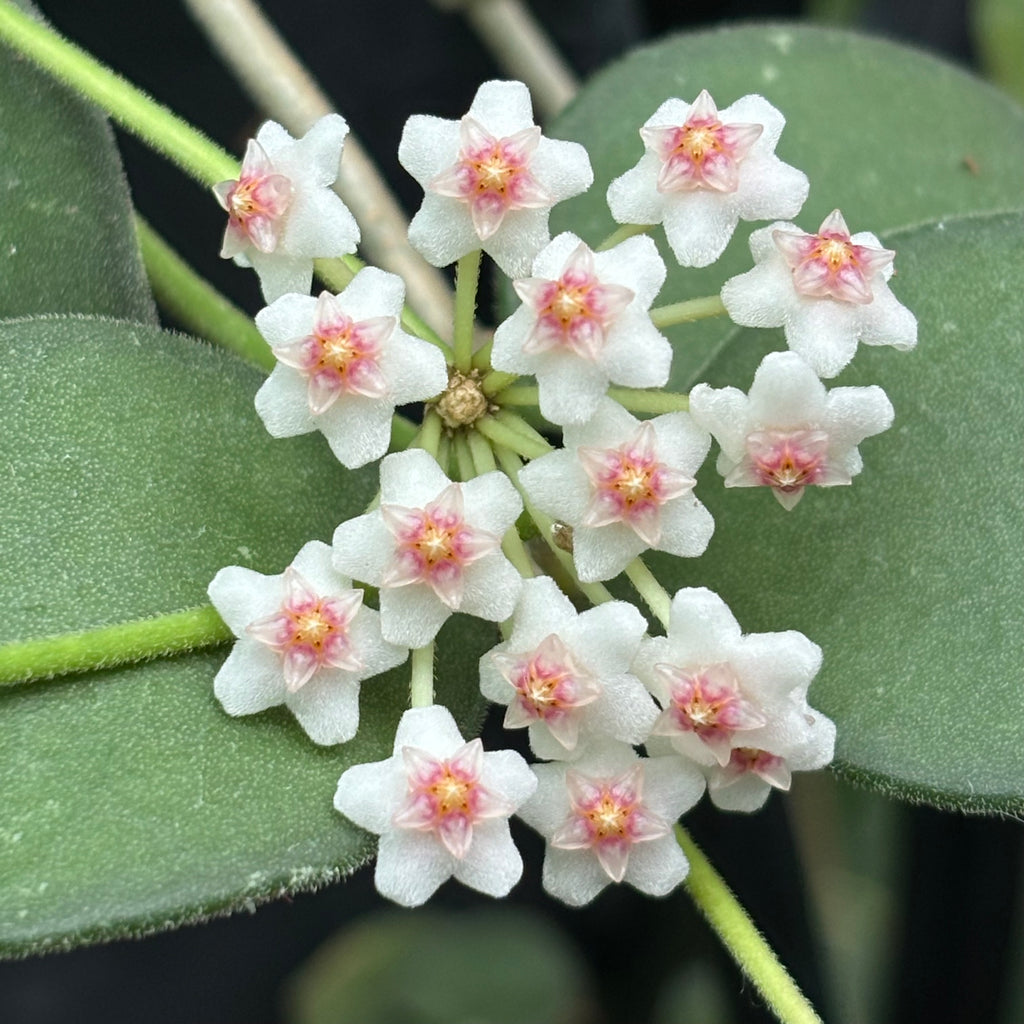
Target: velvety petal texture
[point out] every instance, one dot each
(675, 183)
(282, 211)
(584, 323)
(432, 547)
(565, 674)
(398, 800)
(488, 181)
(789, 433)
(309, 618)
(640, 798)
(344, 364)
(822, 328)
(624, 487)
(735, 704)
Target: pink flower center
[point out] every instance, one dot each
(549, 688)
(703, 153)
(493, 176)
(444, 796)
(575, 311)
(433, 545)
(788, 462)
(608, 816)
(769, 767)
(341, 356)
(256, 204)
(829, 265)
(629, 484)
(706, 702)
(310, 631)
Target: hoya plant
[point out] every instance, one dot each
(724, 489)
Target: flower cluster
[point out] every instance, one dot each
(629, 727)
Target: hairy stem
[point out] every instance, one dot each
(421, 685)
(467, 276)
(196, 304)
(109, 646)
(741, 938)
(653, 402)
(688, 311)
(654, 594)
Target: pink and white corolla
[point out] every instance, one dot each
(441, 807)
(432, 547)
(565, 674)
(282, 211)
(344, 363)
(584, 322)
(827, 291)
(734, 703)
(624, 486)
(608, 817)
(489, 180)
(789, 433)
(305, 640)
(704, 171)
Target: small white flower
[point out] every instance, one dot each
(624, 486)
(735, 704)
(565, 674)
(305, 640)
(584, 323)
(704, 171)
(608, 817)
(282, 212)
(441, 808)
(489, 180)
(432, 547)
(344, 363)
(827, 291)
(789, 433)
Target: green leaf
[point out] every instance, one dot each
(891, 136)
(135, 467)
(430, 967)
(911, 578)
(998, 30)
(67, 234)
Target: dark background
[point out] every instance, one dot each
(379, 62)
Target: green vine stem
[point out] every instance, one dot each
(195, 304)
(421, 685)
(507, 436)
(429, 437)
(109, 646)
(467, 276)
(744, 942)
(621, 233)
(687, 312)
(156, 125)
(131, 108)
(595, 593)
(518, 425)
(653, 593)
(463, 457)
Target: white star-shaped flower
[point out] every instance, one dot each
(489, 180)
(735, 704)
(704, 171)
(282, 212)
(305, 640)
(584, 322)
(827, 291)
(565, 674)
(344, 363)
(441, 808)
(608, 817)
(789, 433)
(432, 547)
(624, 486)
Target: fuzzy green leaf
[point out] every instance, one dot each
(135, 467)
(67, 234)
(911, 579)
